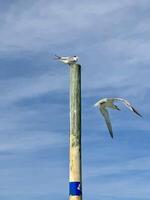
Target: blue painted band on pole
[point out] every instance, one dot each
(75, 188)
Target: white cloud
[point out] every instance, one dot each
(119, 168)
(19, 88)
(31, 141)
(124, 179)
(36, 26)
(115, 60)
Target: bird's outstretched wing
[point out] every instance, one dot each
(128, 105)
(107, 120)
(65, 58)
(61, 57)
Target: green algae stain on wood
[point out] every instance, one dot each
(75, 104)
(75, 126)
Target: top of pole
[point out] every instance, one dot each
(75, 65)
(75, 175)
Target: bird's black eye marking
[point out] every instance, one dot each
(102, 103)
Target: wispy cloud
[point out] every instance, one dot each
(36, 26)
(31, 141)
(112, 41)
(20, 88)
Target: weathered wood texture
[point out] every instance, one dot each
(75, 128)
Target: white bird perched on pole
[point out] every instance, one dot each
(67, 59)
(109, 103)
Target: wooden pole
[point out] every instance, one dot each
(75, 175)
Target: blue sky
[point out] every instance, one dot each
(111, 38)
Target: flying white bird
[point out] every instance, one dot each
(67, 60)
(109, 103)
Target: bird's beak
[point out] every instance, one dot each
(56, 57)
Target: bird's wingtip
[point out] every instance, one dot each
(140, 115)
(134, 110)
(111, 134)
